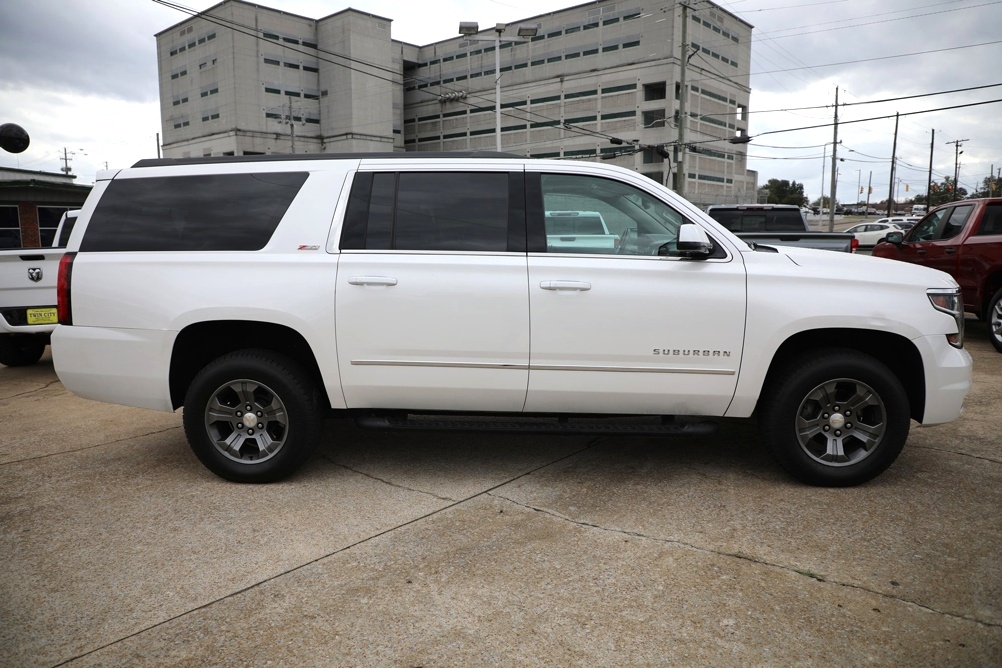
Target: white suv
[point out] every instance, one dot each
(423, 290)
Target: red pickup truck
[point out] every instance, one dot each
(963, 239)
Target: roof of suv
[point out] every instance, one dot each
(409, 155)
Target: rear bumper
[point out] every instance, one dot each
(119, 366)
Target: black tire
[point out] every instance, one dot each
(993, 316)
(835, 418)
(21, 349)
(267, 443)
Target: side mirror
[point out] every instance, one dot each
(895, 238)
(693, 244)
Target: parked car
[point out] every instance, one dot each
(28, 297)
(419, 291)
(964, 239)
(871, 234)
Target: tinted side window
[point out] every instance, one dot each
(64, 234)
(443, 211)
(221, 212)
(956, 221)
(762, 220)
(992, 221)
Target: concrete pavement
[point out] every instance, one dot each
(119, 548)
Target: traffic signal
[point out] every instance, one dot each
(861, 190)
(907, 187)
(870, 192)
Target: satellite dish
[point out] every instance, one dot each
(13, 138)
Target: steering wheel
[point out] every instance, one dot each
(624, 237)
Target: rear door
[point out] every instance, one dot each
(431, 304)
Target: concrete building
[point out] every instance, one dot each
(244, 79)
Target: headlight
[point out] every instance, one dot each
(948, 301)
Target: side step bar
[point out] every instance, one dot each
(614, 426)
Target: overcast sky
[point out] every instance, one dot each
(81, 76)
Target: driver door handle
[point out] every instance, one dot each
(579, 286)
(372, 280)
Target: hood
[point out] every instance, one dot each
(866, 267)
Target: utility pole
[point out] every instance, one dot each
(292, 127)
(928, 184)
(894, 161)
(869, 189)
(956, 165)
(834, 186)
(680, 173)
(65, 169)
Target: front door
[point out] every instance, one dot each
(617, 327)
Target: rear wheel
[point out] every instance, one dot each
(252, 416)
(994, 320)
(835, 418)
(21, 349)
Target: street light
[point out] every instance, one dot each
(469, 30)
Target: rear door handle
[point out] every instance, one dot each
(920, 251)
(949, 250)
(579, 286)
(372, 280)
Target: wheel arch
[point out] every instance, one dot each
(895, 351)
(198, 344)
(991, 285)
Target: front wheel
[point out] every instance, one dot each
(994, 320)
(252, 416)
(835, 418)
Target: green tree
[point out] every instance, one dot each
(786, 192)
(942, 192)
(989, 187)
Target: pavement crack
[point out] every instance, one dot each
(87, 447)
(745, 557)
(958, 453)
(26, 393)
(391, 483)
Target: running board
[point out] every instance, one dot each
(615, 426)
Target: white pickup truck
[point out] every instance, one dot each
(28, 297)
(421, 291)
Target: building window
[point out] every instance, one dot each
(10, 227)
(276, 91)
(655, 91)
(271, 61)
(618, 89)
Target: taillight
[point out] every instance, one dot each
(63, 303)
(855, 245)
